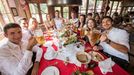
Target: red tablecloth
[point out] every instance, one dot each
(68, 69)
(65, 69)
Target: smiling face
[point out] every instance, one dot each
(48, 17)
(57, 14)
(73, 15)
(33, 24)
(106, 23)
(14, 35)
(24, 24)
(91, 24)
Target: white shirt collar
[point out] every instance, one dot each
(12, 45)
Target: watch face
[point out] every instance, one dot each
(108, 41)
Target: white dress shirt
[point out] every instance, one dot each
(75, 21)
(25, 34)
(118, 36)
(15, 59)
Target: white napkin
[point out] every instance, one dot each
(50, 53)
(106, 65)
(48, 43)
(69, 52)
(61, 54)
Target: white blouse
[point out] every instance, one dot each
(58, 23)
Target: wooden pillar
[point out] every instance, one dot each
(95, 6)
(25, 7)
(122, 8)
(61, 11)
(51, 10)
(27, 12)
(87, 7)
(39, 11)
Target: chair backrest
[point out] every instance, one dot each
(131, 52)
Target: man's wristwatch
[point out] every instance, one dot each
(108, 41)
(36, 62)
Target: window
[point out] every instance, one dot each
(98, 6)
(1, 28)
(119, 7)
(66, 12)
(82, 8)
(91, 6)
(5, 12)
(114, 7)
(129, 9)
(110, 5)
(44, 10)
(132, 9)
(34, 11)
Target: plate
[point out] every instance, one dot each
(83, 57)
(96, 56)
(52, 70)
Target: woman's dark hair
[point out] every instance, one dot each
(57, 11)
(89, 14)
(84, 19)
(95, 25)
(96, 14)
(10, 25)
(108, 18)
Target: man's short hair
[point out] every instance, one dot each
(10, 25)
(89, 14)
(57, 11)
(108, 18)
(19, 21)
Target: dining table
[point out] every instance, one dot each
(67, 68)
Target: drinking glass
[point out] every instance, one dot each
(39, 36)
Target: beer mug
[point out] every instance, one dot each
(81, 32)
(39, 36)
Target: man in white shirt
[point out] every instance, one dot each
(15, 55)
(115, 42)
(25, 31)
(74, 20)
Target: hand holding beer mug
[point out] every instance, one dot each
(95, 37)
(39, 36)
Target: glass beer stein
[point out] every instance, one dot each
(38, 34)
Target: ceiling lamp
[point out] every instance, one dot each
(64, 2)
